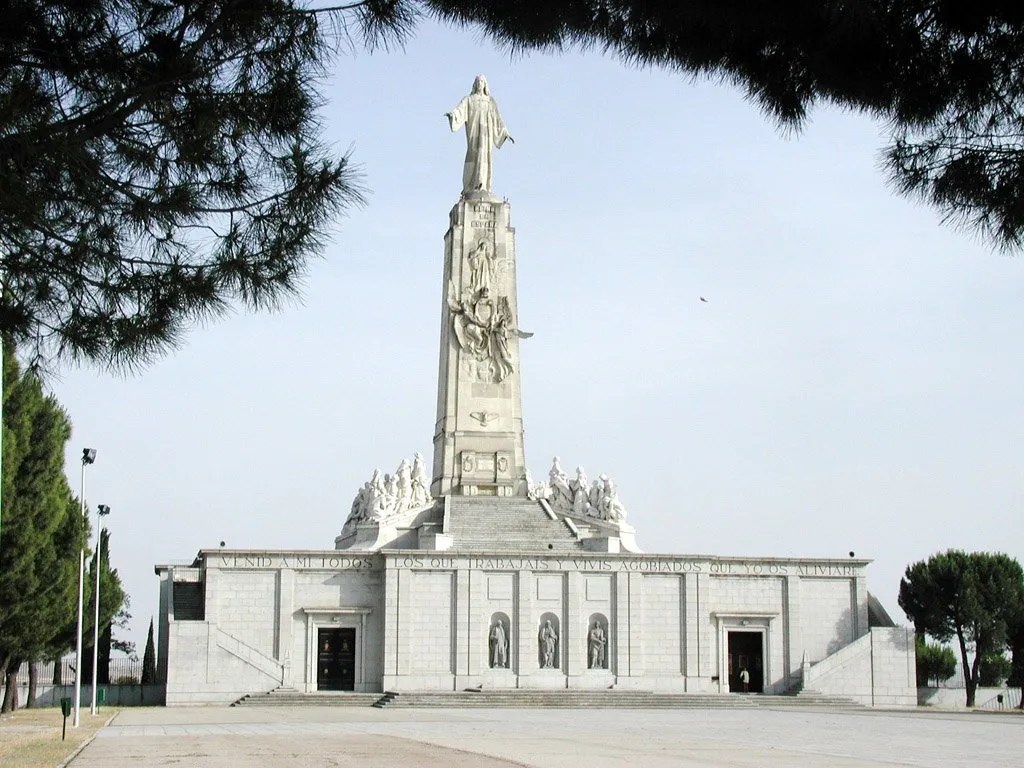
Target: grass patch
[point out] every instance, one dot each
(30, 738)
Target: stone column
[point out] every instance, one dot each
(283, 630)
(464, 634)
(860, 604)
(391, 625)
(793, 642)
(574, 645)
(525, 625)
(478, 437)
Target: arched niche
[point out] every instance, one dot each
(598, 642)
(549, 640)
(499, 641)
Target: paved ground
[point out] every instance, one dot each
(297, 737)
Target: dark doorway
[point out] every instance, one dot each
(746, 651)
(336, 659)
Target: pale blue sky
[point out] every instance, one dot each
(852, 384)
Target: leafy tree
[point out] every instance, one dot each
(974, 597)
(935, 663)
(43, 531)
(993, 670)
(149, 659)
(160, 162)
(944, 74)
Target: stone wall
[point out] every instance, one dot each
(876, 670)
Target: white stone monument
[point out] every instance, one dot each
(477, 578)
(478, 437)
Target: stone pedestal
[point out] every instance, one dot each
(478, 437)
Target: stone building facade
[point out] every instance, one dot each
(410, 620)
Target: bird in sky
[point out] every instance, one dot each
(703, 299)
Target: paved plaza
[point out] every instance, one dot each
(290, 737)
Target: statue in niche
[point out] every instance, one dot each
(484, 129)
(481, 326)
(420, 484)
(596, 644)
(548, 643)
(481, 267)
(499, 646)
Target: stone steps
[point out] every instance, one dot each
(291, 697)
(810, 698)
(540, 699)
(564, 699)
(488, 524)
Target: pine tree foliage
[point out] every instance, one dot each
(974, 597)
(43, 531)
(945, 74)
(149, 659)
(160, 163)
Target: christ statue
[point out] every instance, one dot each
(484, 129)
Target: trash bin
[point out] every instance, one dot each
(65, 706)
(101, 695)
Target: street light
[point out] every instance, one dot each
(101, 511)
(88, 457)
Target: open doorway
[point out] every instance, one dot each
(746, 652)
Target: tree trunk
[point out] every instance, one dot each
(103, 668)
(33, 678)
(970, 678)
(58, 671)
(11, 687)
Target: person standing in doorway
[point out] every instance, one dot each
(745, 680)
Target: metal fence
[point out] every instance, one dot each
(123, 671)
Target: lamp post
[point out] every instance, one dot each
(101, 511)
(88, 457)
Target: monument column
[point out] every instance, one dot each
(478, 436)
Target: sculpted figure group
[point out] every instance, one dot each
(574, 497)
(385, 495)
(482, 323)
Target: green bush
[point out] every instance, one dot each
(935, 663)
(993, 670)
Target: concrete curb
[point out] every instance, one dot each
(85, 743)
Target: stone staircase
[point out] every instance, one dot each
(489, 524)
(540, 699)
(292, 697)
(563, 699)
(801, 697)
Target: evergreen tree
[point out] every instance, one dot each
(973, 597)
(935, 663)
(160, 162)
(149, 659)
(42, 532)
